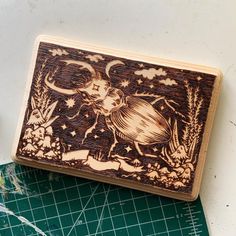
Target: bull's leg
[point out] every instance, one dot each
(166, 157)
(112, 128)
(158, 98)
(90, 130)
(140, 151)
(77, 113)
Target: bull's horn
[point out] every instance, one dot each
(52, 86)
(84, 65)
(112, 63)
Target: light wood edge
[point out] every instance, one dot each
(136, 57)
(206, 135)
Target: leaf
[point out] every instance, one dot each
(175, 136)
(48, 123)
(33, 104)
(191, 149)
(48, 112)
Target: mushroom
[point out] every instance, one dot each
(164, 171)
(49, 130)
(157, 165)
(186, 175)
(39, 133)
(149, 166)
(29, 148)
(50, 154)
(172, 175)
(28, 133)
(178, 184)
(163, 179)
(47, 142)
(188, 165)
(153, 175)
(179, 170)
(168, 183)
(39, 153)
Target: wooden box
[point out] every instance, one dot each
(116, 117)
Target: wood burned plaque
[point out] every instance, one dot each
(117, 117)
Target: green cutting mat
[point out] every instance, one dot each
(37, 202)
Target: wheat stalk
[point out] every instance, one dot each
(193, 127)
(41, 96)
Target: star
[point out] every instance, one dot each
(199, 78)
(64, 126)
(70, 102)
(154, 149)
(86, 115)
(162, 107)
(102, 130)
(95, 136)
(95, 87)
(124, 83)
(128, 149)
(151, 85)
(139, 81)
(73, 133)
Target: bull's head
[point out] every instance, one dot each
(95, 88)
(83, 65)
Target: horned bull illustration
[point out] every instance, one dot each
(129, 117)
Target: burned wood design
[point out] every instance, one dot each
(117, 117)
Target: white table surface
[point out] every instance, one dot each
(200, 31)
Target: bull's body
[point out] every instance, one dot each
(137, 121)
(129, 117)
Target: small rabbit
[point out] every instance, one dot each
(42, 124)
(36, 116)
(178, 154)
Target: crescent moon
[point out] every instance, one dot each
(112, 63)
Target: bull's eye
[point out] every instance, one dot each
(84, 95)
(99, 103)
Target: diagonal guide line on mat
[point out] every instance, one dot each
(82, 211)
(103, 207)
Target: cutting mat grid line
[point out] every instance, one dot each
(70, 213)
(61, 205)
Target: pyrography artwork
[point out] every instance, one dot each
(116, 117)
